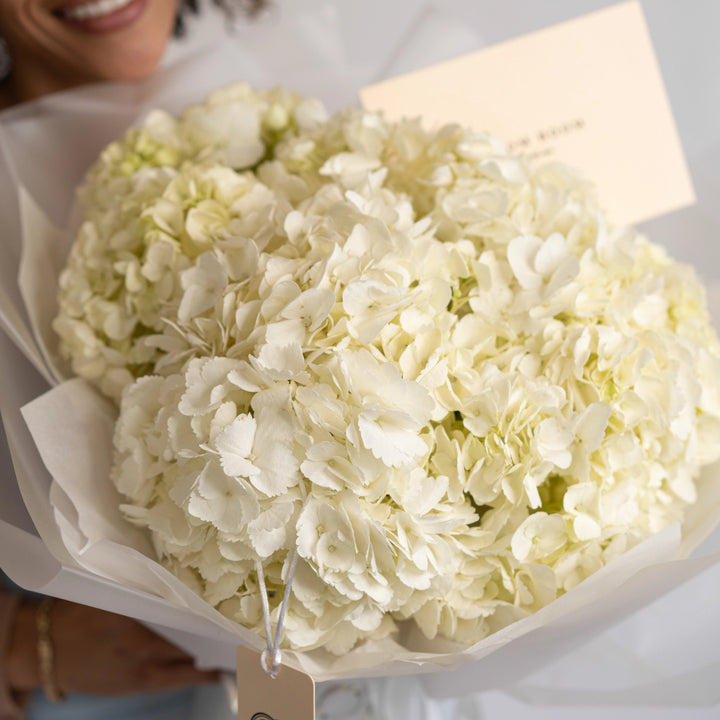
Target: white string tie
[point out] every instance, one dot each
(271, 657)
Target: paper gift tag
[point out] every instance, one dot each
(587, 92)
(289, 696)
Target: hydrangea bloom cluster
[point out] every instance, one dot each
(435, 372)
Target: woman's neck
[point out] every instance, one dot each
(20, 87)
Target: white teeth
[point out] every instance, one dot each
(94, 9)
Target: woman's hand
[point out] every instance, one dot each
(98, 653)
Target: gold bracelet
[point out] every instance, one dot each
(46, 652)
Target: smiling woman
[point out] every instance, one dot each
(57, 44)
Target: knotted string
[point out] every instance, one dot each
(272, 652)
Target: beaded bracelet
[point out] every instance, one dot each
(46, 652)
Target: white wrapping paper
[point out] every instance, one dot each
(89, 554)
(74, 421)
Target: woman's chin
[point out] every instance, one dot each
(125, 73)
(122, 65)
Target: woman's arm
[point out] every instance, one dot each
(95, 653)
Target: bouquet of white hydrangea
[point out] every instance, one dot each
(431, 370)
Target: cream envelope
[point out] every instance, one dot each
(587, 92)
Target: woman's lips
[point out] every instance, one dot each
(101, 16)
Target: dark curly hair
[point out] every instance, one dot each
(250, 8)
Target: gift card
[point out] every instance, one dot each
(587, 92)
(288, 695)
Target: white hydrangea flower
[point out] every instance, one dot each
(433, 370)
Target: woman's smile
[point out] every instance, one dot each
(58, 44)
(98, 16)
